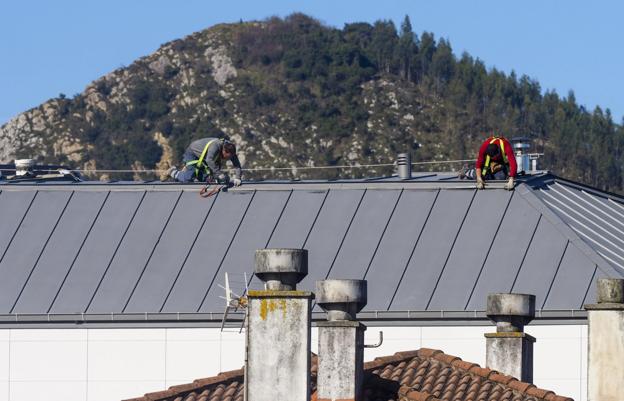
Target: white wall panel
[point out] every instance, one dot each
(127, 360)
(48, 360)
(4, 361)
(395, 339)
(113, 364)
(120, 390)
(232, 351)
(189, 360)
(130, 335)
(47, 335)
(48, 390)
(4, 390)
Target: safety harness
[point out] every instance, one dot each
(200, 164)
(486, 165)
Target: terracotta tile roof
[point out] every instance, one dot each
(423, 375)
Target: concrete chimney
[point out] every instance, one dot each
(605, 374)
(404, 166)
(277, 360)
(341, 340)
(510, 349)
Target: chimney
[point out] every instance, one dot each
(341, 340)
(404, 166)
(510, 349)
(605, 373)
(277, 360)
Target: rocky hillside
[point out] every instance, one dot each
(295, 93)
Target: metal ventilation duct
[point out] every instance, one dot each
(404, 166)
(24, 167)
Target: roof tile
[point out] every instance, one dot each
(423, 375)
(519, 386)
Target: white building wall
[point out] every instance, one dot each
(114, 364)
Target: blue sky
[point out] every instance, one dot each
(47, 48)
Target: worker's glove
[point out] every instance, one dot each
(480, 183)
(510, 184)
(236, 182)
(223, 179)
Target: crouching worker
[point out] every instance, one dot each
(496, 161)
(204, 159)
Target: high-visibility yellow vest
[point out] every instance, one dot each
(486, 165)
(200, 164)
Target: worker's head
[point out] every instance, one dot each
(492, 150)
(228, 150)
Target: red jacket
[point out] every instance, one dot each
(511, 158)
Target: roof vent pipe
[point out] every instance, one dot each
(281, 268)
(404, 166)
(24, 167)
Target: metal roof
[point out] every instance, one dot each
(428, 247)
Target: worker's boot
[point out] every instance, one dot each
(171, 174)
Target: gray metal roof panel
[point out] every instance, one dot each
(431, 253)
(60, 251)
(96, 253)
(200, 267)
(418, 243)
(397, 245)
(571, 282)
(297, 220)
(175, 244)
(508, 251)
(471, 249)
(328, 233)
(601, 232)
(541, 263)
(365, 233)
(254, 233)
(13, 208)
(134, 252)
(28, 243)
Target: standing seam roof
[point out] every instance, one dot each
(422, 246)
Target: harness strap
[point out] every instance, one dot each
(486, 165)
(201, 162)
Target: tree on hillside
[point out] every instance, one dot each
(407, 48)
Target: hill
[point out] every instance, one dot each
(293, 92)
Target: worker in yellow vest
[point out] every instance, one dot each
(204, 160)
(496, 161)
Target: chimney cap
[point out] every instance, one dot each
(505, 304)
(281, 268)
(510, 312)
(341, 298)
(610, 290)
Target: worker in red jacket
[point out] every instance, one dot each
(496, 161)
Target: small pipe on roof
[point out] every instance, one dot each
(404, 166)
